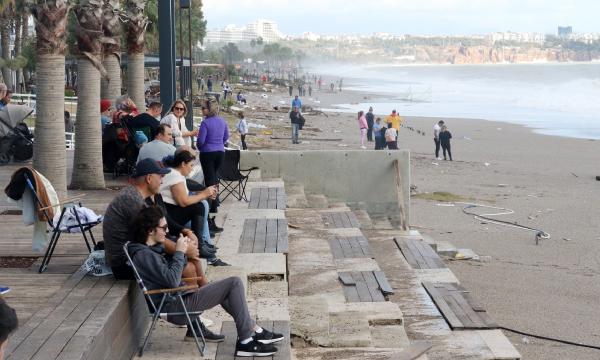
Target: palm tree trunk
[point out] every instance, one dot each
(111, 86)
(135, 79)
(87, 166)
(18, 24)
(24, 37)
(49, 152)
(5, 39)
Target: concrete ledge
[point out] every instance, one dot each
(499, 344)
(436, 275)
(258, 263)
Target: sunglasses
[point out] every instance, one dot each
(164, 227)
(178, 108)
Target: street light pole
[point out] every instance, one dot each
(166, 27)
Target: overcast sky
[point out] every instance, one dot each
(408, 17)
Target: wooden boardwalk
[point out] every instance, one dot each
(350, 247)
(365, 286)
(341, 219)
(419, 254)
(267, 198)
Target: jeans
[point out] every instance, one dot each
(437, 147)
(370, 134)
(295, 130)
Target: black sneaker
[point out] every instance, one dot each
(209, 336)
(254, 348)
(212, 225)
(218, 262)
(267, 337)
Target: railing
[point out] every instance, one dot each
(30, 100)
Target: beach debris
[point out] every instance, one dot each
(597, 178)
(567, 239)
(486, 164)
(483, 259)
(281, 102)
(465, 254)
(337, 131)
(525, 340)
(502, 185)
(445, 204)
(255, 125)
(574, 175)
(413, 188)
(267, 132)
(265, 96)
(467, 138)
(342, 145)
(434, 163)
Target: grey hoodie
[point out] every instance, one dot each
(157, 270)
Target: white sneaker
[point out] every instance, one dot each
(363, 147)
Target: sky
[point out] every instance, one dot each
(427, 17)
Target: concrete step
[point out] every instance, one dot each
(380, 221)
(296, 198)
(317, 201)
(363, 218)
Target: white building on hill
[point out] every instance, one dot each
(265, 29)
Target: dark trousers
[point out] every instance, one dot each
(370, 133)
(437, 147)
(211, 162)
(244, 146)
(446, 147)
(192, 213)
(392, 145)
(379, 142)
(122, 272)
(229, 293)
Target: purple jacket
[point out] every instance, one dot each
(213, 134)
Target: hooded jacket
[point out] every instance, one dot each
(157, 270)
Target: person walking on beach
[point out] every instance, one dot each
(370, 121)
(290, 89)
(297, 103)
(310, 90)
(209, 84)
(391, 137)
(362, 124)
(395, 120)
(436, 138)
(445, 137)
(296, 120)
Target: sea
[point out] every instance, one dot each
(561, 99)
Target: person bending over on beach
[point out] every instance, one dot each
(391, 137)
(436, 138)
(445, 137)
(160, 271)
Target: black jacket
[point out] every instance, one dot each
(445, 137)
(295, 117)
(370, 119)
(157, 270)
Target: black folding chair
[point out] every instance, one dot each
(69, 205)
(167, 294)
(231, 177)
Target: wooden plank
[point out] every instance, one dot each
(364, 245)
(264, 198)
(254, 198)
(248, 234)
(336, 248)
(271, 239)
(272, 198)
(421, 263)
(282, 236)
(384, 285)
(462, 314)
(351, 294)
(361, 286)
(344, 219)
(346, 278)
(226, 349)
(442, 306)
(468, 310)
(373, 286)
(353, 220)
(410, 259)
(284, 353)
(357, 251)
(346, 248)
(260, 238)
(281, 198)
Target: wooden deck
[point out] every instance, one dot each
(267, 198)
(264, 236)
(365, 286)
(341, 219)
(419, 254)
(350, 247)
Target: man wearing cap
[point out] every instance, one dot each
(105, 107)
(395, 120)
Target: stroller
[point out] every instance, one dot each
(119, 149)
(16, 141)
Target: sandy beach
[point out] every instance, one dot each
(550, 289)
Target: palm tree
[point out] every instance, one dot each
(49, 154)
(137, 21)
(7, 14)
(87, 166)
(111, 85)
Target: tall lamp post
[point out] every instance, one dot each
(185, 75)
(166, 27)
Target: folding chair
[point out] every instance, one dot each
(167, 294)
(231, 177)
(68, 205)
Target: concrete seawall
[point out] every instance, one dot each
(355, 177)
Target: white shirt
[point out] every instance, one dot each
(391, 134)
(436, 131)
(172, 178)
(242, 126)
(178, 127)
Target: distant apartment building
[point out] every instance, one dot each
(267, 30)
(510, 36)
(565, 31)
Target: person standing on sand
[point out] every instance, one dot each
(370, 121)
(290, 89)
(296, 120)
(395, 120)
(445, 137)
(362, 124)
(297, 103)
(436, 138)
(391, 137)
(310, 90)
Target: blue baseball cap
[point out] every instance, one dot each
(148, 166)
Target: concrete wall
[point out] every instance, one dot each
(351, 176)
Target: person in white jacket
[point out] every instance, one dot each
(176, 119)
(242, 128)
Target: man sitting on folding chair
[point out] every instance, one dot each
(159, 271)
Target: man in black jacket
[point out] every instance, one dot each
(370, 121)
(296, 120)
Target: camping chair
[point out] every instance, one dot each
(231, 177)
(167, 294)
(84, 227)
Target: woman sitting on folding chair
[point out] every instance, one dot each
(158, 271)
(183, 207)
(212, 138)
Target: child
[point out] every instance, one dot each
(445, 137)
(379, 136)
(242, 127)
(391, 134)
